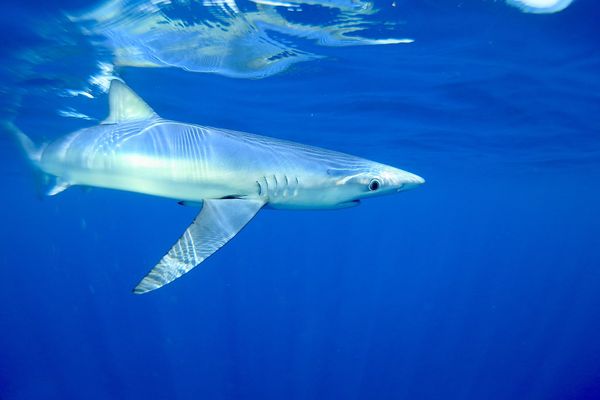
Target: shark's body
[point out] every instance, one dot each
(192, 163)
(232, 174)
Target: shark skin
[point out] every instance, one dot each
(231, 175)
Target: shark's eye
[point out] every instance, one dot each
(374, 184)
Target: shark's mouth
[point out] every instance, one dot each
(347, 204)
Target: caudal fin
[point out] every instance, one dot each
(33, 152)
(47, 184)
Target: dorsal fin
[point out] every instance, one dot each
(125, 105)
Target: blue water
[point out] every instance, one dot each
(484, 283)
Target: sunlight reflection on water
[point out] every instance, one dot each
(243, 40)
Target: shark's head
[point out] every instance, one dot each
(370, 180)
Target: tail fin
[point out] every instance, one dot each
(33, 152)
(46, 184)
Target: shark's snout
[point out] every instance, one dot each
(401, 180)
(398, 180)
(411, 181)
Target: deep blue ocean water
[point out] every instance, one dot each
(484, 283)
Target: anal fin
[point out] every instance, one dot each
(218, 221)
(58, 187)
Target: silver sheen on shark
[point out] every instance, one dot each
(231, 175)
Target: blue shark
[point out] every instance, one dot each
(230, 175)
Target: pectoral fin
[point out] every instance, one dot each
(218, 222)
